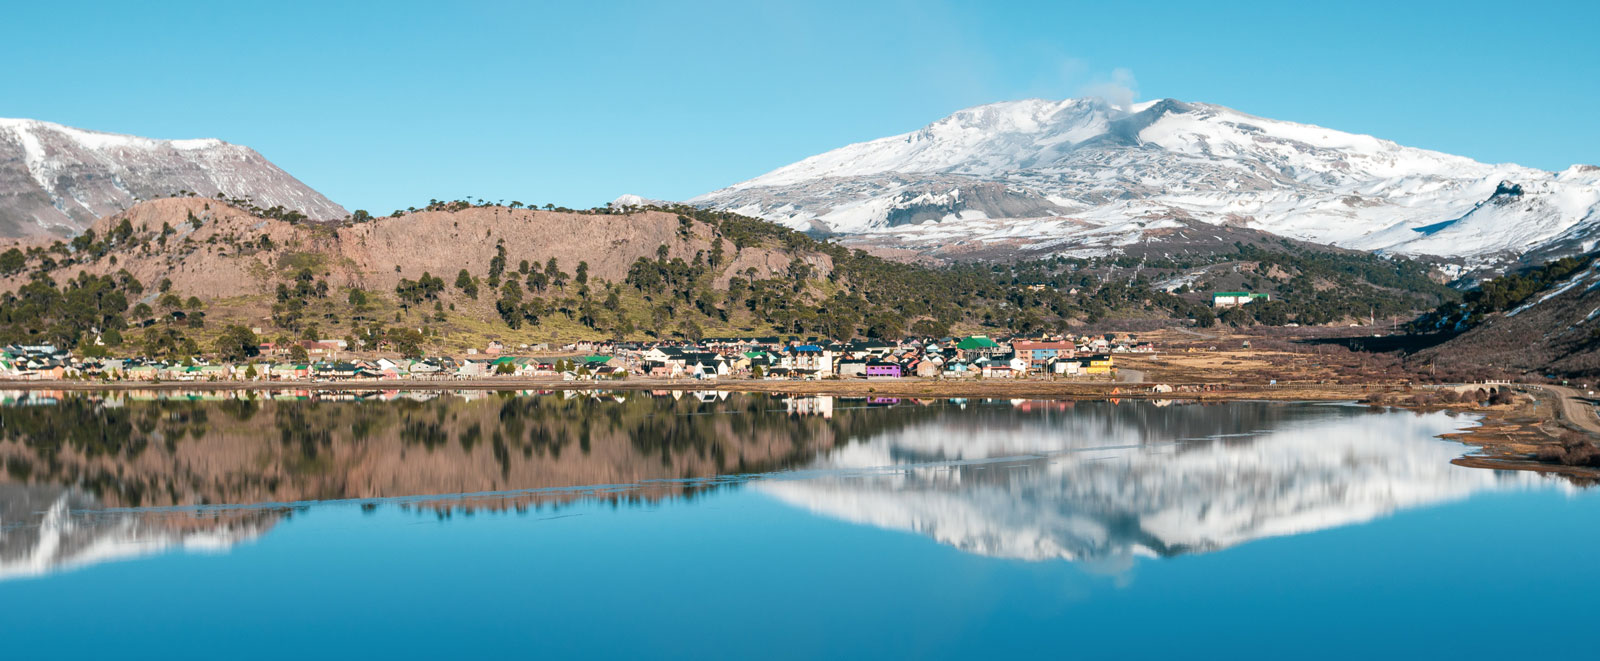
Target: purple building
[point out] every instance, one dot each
(883, 369)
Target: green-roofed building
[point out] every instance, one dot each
(978, 346)
(1229, 299)
(977, 343)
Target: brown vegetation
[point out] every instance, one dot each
(1571, 449)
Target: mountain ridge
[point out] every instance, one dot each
(57, 180)
(1097, 169)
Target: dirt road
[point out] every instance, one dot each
(1575, 407)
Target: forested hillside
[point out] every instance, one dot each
(187, 274)
(1543, 321)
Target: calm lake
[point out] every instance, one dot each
(674, 525)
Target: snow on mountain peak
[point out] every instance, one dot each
(970, 140)
(56, 179)
(1095, 166)
(631, 200)
(100, 140)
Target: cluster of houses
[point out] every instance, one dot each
(977, 356)
(35, 361)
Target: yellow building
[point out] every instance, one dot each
(1099, 365)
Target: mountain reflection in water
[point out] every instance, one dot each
(91, 478)
(82, 472)
(1106, 483)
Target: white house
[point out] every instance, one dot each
(1019, 365)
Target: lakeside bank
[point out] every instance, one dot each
(903, 387)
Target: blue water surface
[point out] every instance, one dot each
(821, 560)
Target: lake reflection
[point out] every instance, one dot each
(1106, 482)
(104, 477)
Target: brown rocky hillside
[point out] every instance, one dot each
(234, 262)
(208, 261)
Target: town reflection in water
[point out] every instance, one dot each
(95, 477)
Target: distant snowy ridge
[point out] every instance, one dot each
(631, 200)
(1080, 171)
(57, 179)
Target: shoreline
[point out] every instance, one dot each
(905, 387)
(1510, 438)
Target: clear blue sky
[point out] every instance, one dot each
(385, 105)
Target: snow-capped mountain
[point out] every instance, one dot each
(56, 179)
(1083, 176)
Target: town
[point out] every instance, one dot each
(766, 358)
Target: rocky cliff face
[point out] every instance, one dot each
(56, 180)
